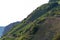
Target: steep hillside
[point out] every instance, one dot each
(42, 24)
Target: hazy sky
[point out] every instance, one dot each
(17, 10)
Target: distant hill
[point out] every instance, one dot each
(10, 26)
(42, 24)
(1, 31)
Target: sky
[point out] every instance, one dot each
(16, 10)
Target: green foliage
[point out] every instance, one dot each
(37, 25)
(56, 37)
